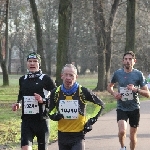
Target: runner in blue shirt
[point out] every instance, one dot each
(131, 83)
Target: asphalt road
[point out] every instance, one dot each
(105, 130)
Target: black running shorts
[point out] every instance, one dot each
(133, 116)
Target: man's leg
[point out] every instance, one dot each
(26, 147)
(62, 146)
(133, 137)
(134, 118)
(80, 145)
(43, 133)
(26, 136)
(122, 127)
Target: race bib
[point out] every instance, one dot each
(30, 105)
(69, 109)
(126, 94)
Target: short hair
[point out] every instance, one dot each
(129, 52)
(69, 66)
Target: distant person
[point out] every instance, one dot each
(34, 90)
(131, 83)
(68, 104)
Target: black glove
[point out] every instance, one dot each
(88, 125)
(92, 120)
(56, 116)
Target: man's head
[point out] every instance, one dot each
(129, 60)
(69, 75)
(130, 53)
(33, 62)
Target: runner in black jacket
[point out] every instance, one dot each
(34, 91)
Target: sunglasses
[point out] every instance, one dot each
(32, 56)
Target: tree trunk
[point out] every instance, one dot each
(101, 42)
(104, 36)
(5, 74)
(130, 26)
(38, 31)
(4, 56)
(4, 68)
(64, 12)
(109, 35)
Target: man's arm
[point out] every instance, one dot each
(144, 91)
(110, 89)
(92, 97)
(96, 102)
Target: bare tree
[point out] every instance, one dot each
(101, 41)
(64, 12)
(130, 26)
(109, 36)
(104, 34)
(38, 31)
(4, 55)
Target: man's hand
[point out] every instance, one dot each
(38, 98)
(92, 120)
(56, 117)
(87, 127)
(117, 95)
(16, 106)
(132, 88)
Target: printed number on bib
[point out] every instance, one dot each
(126, 94)
(69, 109)
(30, 105)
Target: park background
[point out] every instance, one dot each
(91, 34)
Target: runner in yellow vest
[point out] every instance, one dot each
(68, 104)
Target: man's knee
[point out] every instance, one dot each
(26, 147)
(122, 132)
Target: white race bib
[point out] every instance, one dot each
(126, 94)
(30, 105)
(69, 109)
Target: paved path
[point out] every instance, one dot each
(105, 130)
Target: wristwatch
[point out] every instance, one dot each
(44, 100)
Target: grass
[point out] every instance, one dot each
(10, 121)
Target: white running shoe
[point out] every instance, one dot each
(124, 148)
